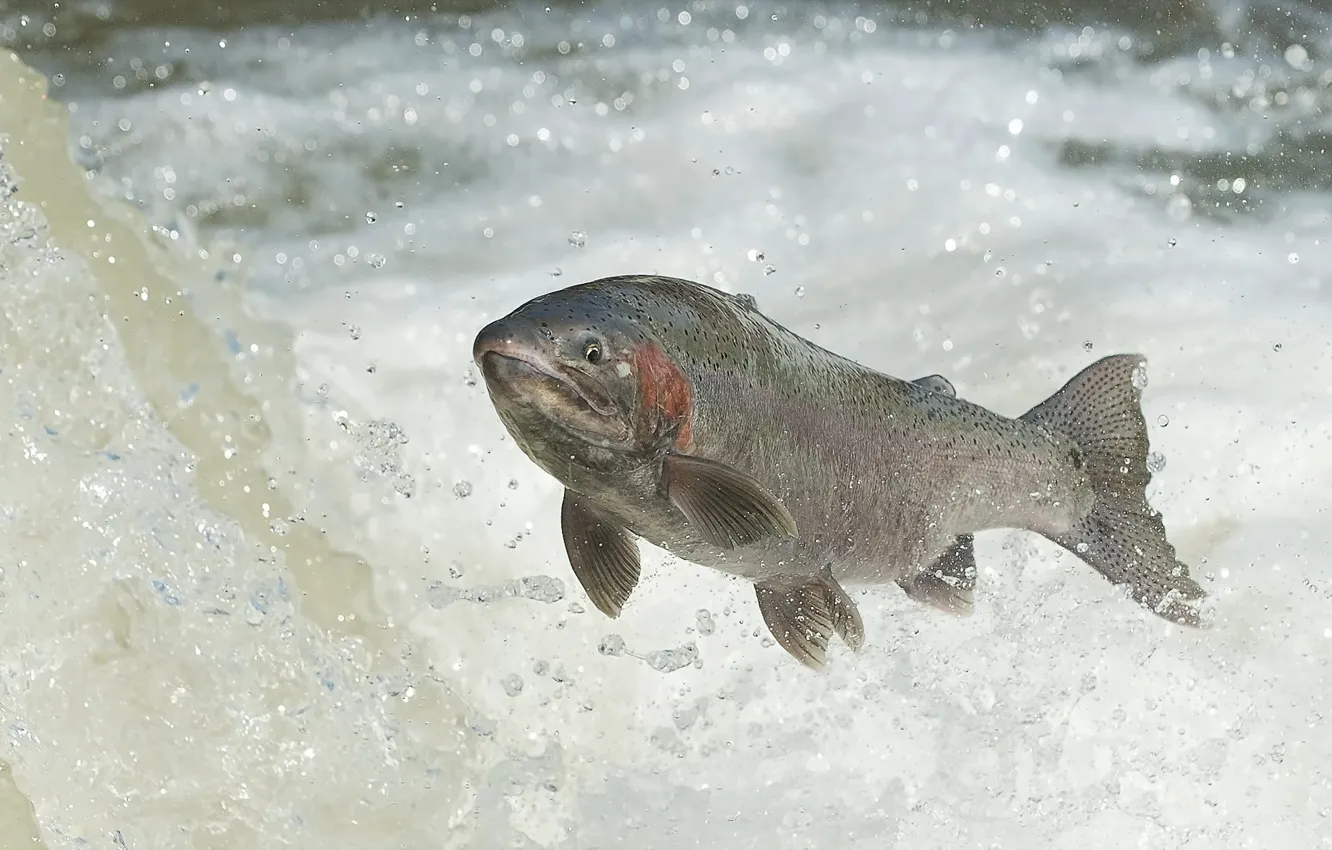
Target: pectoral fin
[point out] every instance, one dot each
(937, 384)
(949, 583)
(603, 554)
(727, 507)
(804, 612)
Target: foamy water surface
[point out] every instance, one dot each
(273, 574)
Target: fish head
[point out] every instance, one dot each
(582, 385)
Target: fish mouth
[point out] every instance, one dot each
(511, 367)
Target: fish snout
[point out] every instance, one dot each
(498, 337)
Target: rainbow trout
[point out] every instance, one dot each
(681, 415)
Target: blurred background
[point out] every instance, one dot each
(273, 575)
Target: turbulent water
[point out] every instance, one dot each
(273, 576)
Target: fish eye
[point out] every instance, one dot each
(592, 351)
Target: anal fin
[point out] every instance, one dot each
(804, 612)
(949, 583)
(603, 554)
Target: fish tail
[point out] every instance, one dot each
(1122, 536)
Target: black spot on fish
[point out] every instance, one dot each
(1076, 457)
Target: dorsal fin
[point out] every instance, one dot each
(936, 384)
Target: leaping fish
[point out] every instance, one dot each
(682, 415)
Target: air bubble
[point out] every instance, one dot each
(1087, 346)
(800, 292)
(1163, 420)
(371, 218)
(512, 684)
(1276, 346)
(377, 260)
(578, 239)
(1082, 548)
(462, 489)
(1156, 462)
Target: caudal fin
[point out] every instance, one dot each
(1122, 537)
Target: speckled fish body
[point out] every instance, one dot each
(708, 429)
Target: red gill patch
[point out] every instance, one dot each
(663, 387)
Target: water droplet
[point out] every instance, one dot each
(545, 589)
(1276, 347)
(685, 717)
(577, 238)
(1179, 207)
(370, 217)
(706, 625)
(1139, 377)
(1087, 346)
(1156, 462)
(611, 645)
(1163, 420)
(670, 660)
(512, 684)
(800, 292)
(462, 489)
